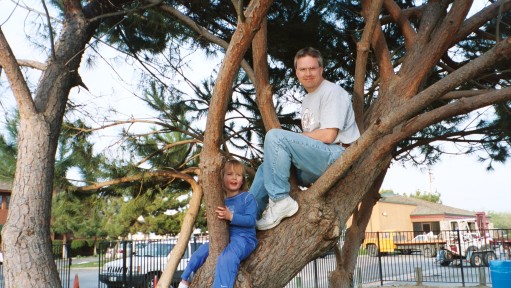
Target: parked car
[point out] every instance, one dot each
(139, 269)
(133, 247)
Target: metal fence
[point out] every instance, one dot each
(62, 260)
(314, 274)
(452, 256)
(416, 257)
(449, 257)
(384, 257)
(140, 263)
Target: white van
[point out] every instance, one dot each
(140, 268)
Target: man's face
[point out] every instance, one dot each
(309, 73)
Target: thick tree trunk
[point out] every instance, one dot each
(346, 258)
(211, 157)
(26, 235)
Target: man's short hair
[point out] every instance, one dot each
(309, 51)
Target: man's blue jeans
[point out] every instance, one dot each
(281, 149)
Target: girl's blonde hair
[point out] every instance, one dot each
(238, 167)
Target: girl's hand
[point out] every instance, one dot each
(223, 213)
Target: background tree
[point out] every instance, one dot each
(428, 196)
(26, 235)
(404, 98)
(500, 220)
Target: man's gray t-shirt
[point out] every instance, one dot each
(329, 106)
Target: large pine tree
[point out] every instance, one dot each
(415, 73)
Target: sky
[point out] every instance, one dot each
(462, 181)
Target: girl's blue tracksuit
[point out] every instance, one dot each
(242, 241)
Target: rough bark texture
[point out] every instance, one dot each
(26, 238)
(26, 235)
(185, 232)
(211, 158)
(346, 260)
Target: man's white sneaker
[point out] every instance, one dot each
(275, 212)
(182, 285)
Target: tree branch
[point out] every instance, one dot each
(16, 79)
(238, 6)
(160, 123)
(132, 178)
(448, 137)
(458, 107)
(50, 30)
(203, 32)
(211, 158)
(434, 38)
(479, 18)
(414, 12)
(463, 93)
(400, 18)
(32, 64)
(124, 12)
(370, 14)
(264, 93)
(164, 148)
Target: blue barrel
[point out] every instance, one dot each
(500, 273)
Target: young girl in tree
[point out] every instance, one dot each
(240, 210)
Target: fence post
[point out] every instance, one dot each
(482, 276)
(461, 258)
(379, 258)
(124, 274)
(315, 274)
(359, 277)
(298, 281)
(418, 275)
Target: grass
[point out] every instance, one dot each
(91, 264)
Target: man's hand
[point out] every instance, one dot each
(326, 135)
(223, 213)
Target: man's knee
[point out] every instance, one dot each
(273, 135)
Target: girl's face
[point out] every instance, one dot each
(233, 180)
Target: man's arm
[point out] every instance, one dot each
(326, 135)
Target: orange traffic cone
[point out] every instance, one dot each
(155, 281)
(76, 284)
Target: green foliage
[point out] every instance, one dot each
(500, 220)
(387, 191)
(77, 215)
(9, 150)
(431, 197)
(77, 244)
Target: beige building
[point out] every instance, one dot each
(401, 213)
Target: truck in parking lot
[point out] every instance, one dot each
(457, 239)
(382, 243)
(466, 240)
